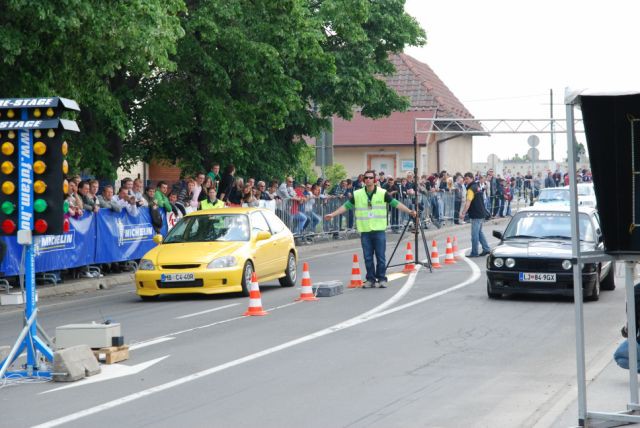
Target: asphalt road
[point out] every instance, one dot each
(431, 350)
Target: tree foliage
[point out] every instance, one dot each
(253, 77)
(94, 52)
(197, 81)
(336, 173)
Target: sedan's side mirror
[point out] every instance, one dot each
(497, 234)
(157, 239)
(263, 235)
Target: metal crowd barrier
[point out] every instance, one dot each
(306, 219)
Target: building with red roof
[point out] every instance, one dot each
(386, 144)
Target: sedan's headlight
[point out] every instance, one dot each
(222, 262)
(498, 262)
(510, 263)
(146, 264)
(566, 264)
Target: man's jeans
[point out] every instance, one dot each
(300, 221)
(477, 235)
(374, 242)
(621, 355)
(314, 219)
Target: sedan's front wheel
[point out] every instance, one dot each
(595, 292)
(247, 272)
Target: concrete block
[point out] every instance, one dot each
(74, 363)
(327, 288)
(13, 298)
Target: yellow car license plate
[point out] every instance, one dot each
(177, 277)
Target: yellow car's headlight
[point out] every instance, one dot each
(146, 264)
(222, 262)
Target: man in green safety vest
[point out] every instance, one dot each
(212, 201)
(370, 203)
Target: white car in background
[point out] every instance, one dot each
(553, 196)
(586, 195)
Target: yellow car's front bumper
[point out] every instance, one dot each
(206, 281)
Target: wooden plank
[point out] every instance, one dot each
(112, 354)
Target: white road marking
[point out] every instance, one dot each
(195, 314)
(170, 336)
(110, 371)
(149, 342)
(374, 313)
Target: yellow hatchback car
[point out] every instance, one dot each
(216, 251)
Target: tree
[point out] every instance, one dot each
(336, 173)
(253, 77)
(94, 52)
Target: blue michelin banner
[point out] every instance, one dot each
(102, 238)
(74, 248)
(124, 237)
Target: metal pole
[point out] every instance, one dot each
(577, 274)
(322, 161)
(631, 332)
(552, 123)
(416, 221)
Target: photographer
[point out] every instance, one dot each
(621, 354)
(126, 201)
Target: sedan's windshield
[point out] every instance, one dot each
(553, 195)
(207, 228)
(547, 225)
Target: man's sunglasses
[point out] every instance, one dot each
(371, 177)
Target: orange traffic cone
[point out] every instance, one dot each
(255, 301)
(408, 263)
(448, 257)
(307, 291)
(356, 276)
(435, 260)
(456, 252)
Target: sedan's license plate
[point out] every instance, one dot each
(177, 277)
(537, 277)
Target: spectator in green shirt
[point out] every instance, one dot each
(215, 175)
(161, 196)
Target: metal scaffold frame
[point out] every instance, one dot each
(469, 126)
(573, 99)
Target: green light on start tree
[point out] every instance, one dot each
(40, 205)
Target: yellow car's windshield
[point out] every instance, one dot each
(209, 228)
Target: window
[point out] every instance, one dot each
(258, 223)
(276, 225)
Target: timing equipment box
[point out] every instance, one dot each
(94, 335)
(328, 288)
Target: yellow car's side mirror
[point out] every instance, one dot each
(263, 235)
(157, 239)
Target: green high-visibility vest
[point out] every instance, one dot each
(374, 218)
(206, 205)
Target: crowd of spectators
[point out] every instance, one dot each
(217, 188)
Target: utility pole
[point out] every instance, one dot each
(552, 123)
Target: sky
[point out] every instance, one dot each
(501, 58)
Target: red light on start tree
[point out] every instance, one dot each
(8, 227)
(65, 225)
(40, 226)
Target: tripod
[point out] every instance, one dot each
(416, 222)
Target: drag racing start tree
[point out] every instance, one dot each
(33, 164)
